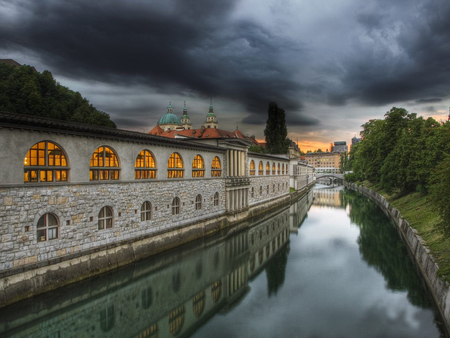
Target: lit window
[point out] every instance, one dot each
(47, 228)
(176, 320)
(145, 167)
(175, 166)
(146, 211)
(278, 169)
(252, 168)
(45, 162)
(198, 303)
(176, 206)
(216, 168)
(216, 289)
(260, 168)
(273, 168)
(198, 167)
(105, 218)
(198, 202)
(103, 159)
(216, 199)
(267, 168)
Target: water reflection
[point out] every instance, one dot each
(343, 272)
(168, 295)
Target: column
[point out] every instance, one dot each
(243, 163)
(228, 163)
(235, 163)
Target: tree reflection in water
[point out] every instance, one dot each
(276, 271)
(380, 247)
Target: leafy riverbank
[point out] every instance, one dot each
(421, 214)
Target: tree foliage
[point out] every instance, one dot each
(257, 149)
(276, 131)
(26, 91)
(405, 153)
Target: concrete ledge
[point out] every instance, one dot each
(32, 279)
(423, 260)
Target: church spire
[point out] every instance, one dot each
(185, 120)
(211, 120)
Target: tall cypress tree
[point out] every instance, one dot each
(276, 131)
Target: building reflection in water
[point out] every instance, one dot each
(167, 295)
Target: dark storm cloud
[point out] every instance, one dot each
(429, 100)
(407, 59)
(172, 46)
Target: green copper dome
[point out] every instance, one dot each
(169, 118)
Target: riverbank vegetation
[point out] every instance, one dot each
(23, 90)
(407, 159)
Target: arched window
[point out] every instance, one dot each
(176, 320)
(216, 289)
(47, 228)
(278, 169)
(216, 199)
(216, 168)
(273, 168)
(102, 160)
(105, 218)
(45, 162)
(147, 298)
(198, 303)
(107, 318)
(145, 167)
(260, 169)
(175, 166)
(146, 211)
(267, 168)
(198, 167)
(176, 206)
(252, 168)
(198, 202)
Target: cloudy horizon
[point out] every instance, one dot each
(331, 66)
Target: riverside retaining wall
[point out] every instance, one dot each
(424, 261)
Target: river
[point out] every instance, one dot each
(330, 265)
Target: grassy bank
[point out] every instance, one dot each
(422, 216)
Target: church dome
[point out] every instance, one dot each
(169, 117)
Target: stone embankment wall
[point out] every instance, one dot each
(425, 262)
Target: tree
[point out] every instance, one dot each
(257, 149)
(276, 131)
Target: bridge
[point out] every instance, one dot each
(339, 176)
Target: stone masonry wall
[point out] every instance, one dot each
(258, 188)
(77, 208)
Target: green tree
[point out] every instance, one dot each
(257, 149)
(276, 131)
(26, 91)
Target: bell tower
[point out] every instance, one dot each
(211, 120)
(185, 120)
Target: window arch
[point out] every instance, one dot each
(252, 168)
(198, 167)
(176, 206)
(145, 166)
(273, 168)
(198, 303)
(47, 227)
(260, 168)
(216, 168)
(267, 168)
(216, 199)
(216, 289)
(278, 169)
(175, 166)
(198, 202)
(146, 211)
(176, 320)
(105, 218)
(102, 160)
(45, 162)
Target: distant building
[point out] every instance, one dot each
(294, 150)
(355, 140)
(339, 147)
(324, 162)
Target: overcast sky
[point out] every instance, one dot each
(332, 65)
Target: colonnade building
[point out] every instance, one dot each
(83, 198)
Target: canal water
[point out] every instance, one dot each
(330, 265)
